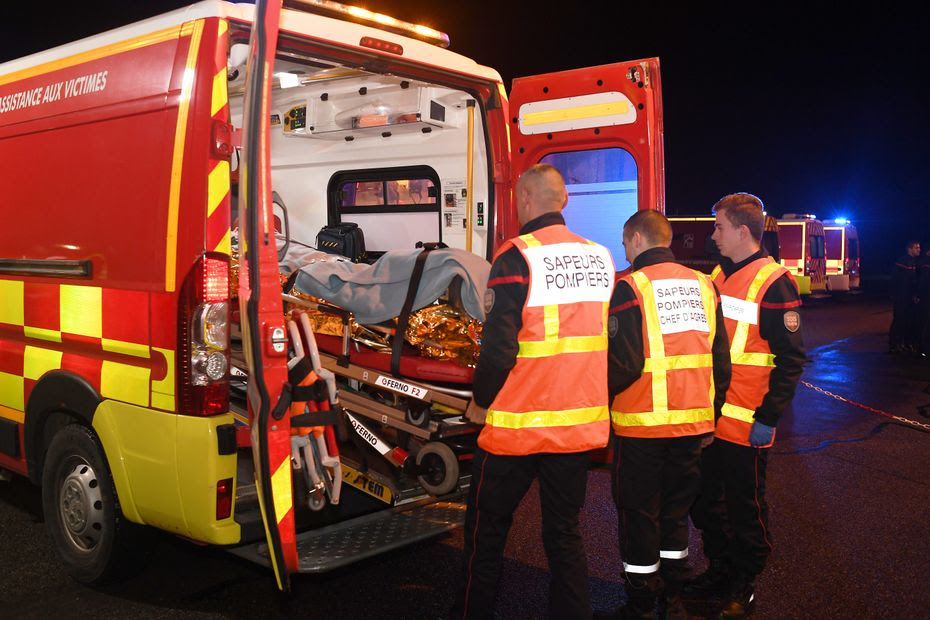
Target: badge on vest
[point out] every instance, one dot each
(679, 306)
(740, 309)
(792, 321)
(564, 273)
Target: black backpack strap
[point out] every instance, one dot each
(397, 346)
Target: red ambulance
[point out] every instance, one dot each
(803, 251)
(121, 152)
(842, 247)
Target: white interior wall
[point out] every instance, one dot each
(302, 166)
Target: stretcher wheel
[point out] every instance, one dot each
(316, 501)
(438, 467)
(418, 414)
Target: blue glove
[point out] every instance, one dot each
(761, 434)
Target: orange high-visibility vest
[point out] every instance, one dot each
(674, 396)
(752, 359)
(555, 396)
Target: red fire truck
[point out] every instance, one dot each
(121, 391)
(802, 251)
(693, 246)
(842, 248)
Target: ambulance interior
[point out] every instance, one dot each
(389, 154)
(382, 151)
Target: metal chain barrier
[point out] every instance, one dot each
(906, 421)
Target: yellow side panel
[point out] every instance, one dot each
(166, 467)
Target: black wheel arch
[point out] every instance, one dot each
(58, 398)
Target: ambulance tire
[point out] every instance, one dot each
(438, 467)
(82, 511)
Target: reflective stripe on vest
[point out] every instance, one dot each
(555, 397)
(631, 414)
(736, 421)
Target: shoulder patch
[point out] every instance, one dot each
(488, 300)
(613, 326)
(792, 321)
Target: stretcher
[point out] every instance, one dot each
(387, 421)
(413, 421)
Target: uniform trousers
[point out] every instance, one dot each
(731, 511)
(498, 484)
(655, 483)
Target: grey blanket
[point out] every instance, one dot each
(375, 293)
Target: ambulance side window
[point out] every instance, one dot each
(817, 246)
(602, 194)
(394, 207)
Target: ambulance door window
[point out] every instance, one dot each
(853, 249)
(817, 246)
(602, 194)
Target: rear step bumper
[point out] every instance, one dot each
(341, 544)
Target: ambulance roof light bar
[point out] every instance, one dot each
(379, 20)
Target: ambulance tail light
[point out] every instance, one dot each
(203, 332)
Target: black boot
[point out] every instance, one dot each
(740, 600)
(711, 584)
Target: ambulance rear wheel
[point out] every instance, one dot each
(82, 511)
(438, 467)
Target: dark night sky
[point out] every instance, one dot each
(815, 107)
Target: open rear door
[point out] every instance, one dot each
(263, 335)
(602, 128)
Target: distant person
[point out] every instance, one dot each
(760, 302)
(903, 335)
(923, 303)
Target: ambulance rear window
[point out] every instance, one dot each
(602, 194)
(394, 207)
(388, 193)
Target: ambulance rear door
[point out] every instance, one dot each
(263, 334)
(602, 128)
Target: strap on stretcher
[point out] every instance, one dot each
(403, 319)
(294, 392)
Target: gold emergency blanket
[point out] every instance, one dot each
(442, 332)
(439, 331)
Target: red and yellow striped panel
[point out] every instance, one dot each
(218, 216)
(100, 334)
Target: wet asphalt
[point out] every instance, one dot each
(848, 492)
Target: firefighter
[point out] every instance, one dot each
(760, 305)
(540, 388)
(903, 335)
(923, 295)
(668, 372)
